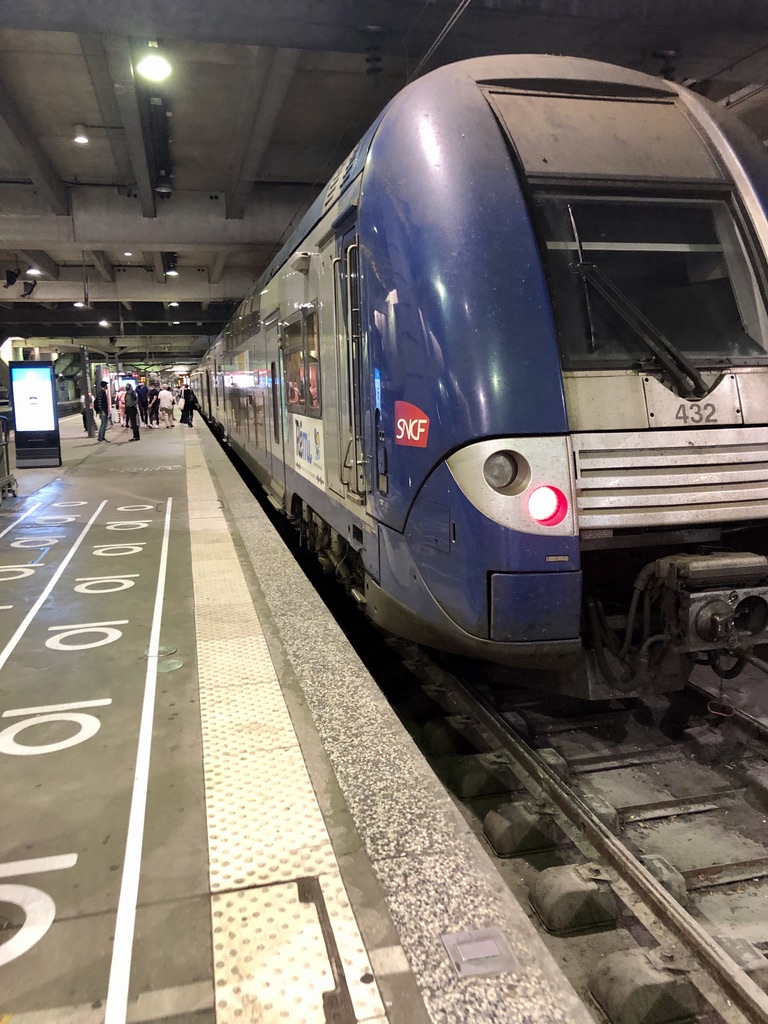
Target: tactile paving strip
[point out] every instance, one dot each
(271, 961)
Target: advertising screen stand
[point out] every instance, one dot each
(36, 419)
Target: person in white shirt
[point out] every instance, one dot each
(166, 402)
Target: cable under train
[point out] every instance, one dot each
(509, 375)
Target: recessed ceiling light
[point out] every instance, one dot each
(79, 305)
(172, 272)
(173, 303)
(80, 136)
(34, 271)
(103, 323)
(176, 322)
(127, 254)
(154, 66)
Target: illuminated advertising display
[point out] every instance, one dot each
(36, 421)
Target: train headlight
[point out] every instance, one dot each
(500, 470)
(548, 506)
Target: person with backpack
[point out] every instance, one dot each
(132, 412)
(101, 406)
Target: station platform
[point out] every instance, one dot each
(209, 811)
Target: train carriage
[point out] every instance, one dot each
(509, 374)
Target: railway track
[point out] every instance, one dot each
(636, 831)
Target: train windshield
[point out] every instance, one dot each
(679, 264)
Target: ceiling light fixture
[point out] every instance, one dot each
(34, 271)
(164, 184)
(81, 135)
(104, 323)
(173, 303)
(79, 305)
(127, 254)
(153, 65)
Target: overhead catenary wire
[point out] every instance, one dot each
(438, 40)
(463, 5)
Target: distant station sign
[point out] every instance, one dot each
(36, 420)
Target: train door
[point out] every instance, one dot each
(275, 432)
(348, 476)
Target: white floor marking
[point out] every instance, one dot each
(27, 513)
(36, 865)
(11, 645)
(46, 708)
(122, 950)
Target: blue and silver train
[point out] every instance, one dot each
(509, 376)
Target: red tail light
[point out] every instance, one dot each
(548, 506)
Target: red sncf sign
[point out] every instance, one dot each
(411, 425)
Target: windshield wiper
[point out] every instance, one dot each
(685, 375)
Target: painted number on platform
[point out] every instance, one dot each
(88, 725)
(39, 909)
(18, 572)
(105, 584)
(116, 550)
(105, 631)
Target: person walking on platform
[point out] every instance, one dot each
(188, 408)
(121, 406)
(132, 412)
(166, 402)
(154, 406)
(101, 406)
(142, 396)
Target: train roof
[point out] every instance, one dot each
(508, 70)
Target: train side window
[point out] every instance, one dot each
(313, 363)
(293, 365)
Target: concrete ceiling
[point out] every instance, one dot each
(264, 102)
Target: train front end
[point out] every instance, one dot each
(568, 349)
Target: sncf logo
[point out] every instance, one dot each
(411, 425)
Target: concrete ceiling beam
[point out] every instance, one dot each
(95, 55)
(41, 261)
(135, 284)
(102, 263)
(217, 267)
(22, 149)
(120, 66)
(146, 313)
(102, 219)
(262, 96)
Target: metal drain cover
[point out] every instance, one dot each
(162, 652)
(170, 665)
(483, 951)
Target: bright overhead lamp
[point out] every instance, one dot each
(171, 272)
(127, 254)
(103, 323)
(81, 135)
(173, 303)
(153, 66)
(79, 305)
(34, 271)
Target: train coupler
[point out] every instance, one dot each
(714, 603)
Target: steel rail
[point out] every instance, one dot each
(747, 995)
